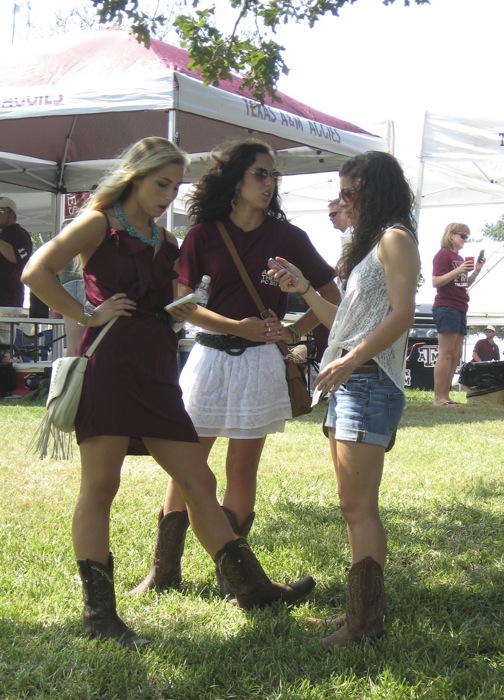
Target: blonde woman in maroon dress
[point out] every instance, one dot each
(131, 391)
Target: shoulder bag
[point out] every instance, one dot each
(67, 378)
(298, 391)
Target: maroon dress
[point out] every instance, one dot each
(131, 383)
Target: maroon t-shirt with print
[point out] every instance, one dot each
(455, 293)
(203, 252)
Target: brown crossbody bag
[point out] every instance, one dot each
(298, 392)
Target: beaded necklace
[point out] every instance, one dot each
(121, 217)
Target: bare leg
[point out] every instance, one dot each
(174, 499)
(185, 463)
(359, 471)
(242, 464)
(459, 346)
(101, 459)
(450, 350)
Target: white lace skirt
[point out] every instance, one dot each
(242, 396)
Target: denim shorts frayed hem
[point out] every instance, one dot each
(366, 409)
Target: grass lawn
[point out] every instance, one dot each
(442, 505)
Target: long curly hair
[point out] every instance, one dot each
(212, 196)
(381, 197)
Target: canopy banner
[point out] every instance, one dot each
(270, 119)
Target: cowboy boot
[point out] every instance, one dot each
(165, 571)
(244, 575)
(365, 605)
(99, 616)
(242, 530)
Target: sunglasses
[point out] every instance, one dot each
(346, 193)
(463, 236)
(333, 214)
(262, 174)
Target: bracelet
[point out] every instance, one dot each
(86, 317)
(306, 290)
(295, 333)
(175, 320)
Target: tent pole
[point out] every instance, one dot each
(421, 172)
(65, 153)
(57, 208)
(174, 138)
(418, 196)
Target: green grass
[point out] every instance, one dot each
(442, 505)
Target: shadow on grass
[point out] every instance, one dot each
(438, 638)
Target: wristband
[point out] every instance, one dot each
(295, 333)
(306, 290)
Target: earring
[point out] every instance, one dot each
(234, 201)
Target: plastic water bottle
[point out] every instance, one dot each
(203, 290)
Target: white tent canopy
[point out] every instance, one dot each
(461, 161)
(70, 104)
(462, 164)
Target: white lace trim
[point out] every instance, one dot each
(236, 396)
(363, 307)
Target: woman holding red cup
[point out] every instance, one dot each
(451, 279)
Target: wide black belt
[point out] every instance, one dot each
(231, 344)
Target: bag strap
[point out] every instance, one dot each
(247, 281)
(99, 337)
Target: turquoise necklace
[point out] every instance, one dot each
(121, 217)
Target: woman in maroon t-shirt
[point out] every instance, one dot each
(451, 280)
(233, 382)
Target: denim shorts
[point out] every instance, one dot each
(77, 289)
(449, 320)
(367, 408)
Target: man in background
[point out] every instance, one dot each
(15, 249)
(340, 221)
(486, 349)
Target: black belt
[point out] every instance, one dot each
(369, 367)
(231, 344)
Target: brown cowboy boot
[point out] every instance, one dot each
(242, 530)
(99, 616)
(365, 605)
(165, 571)
(244, 575)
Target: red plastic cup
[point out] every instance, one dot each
(470, 260)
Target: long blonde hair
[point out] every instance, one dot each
(142, 158)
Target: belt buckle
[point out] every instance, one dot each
(237, 351)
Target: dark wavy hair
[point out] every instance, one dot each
(381, 196)
(212, 196)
